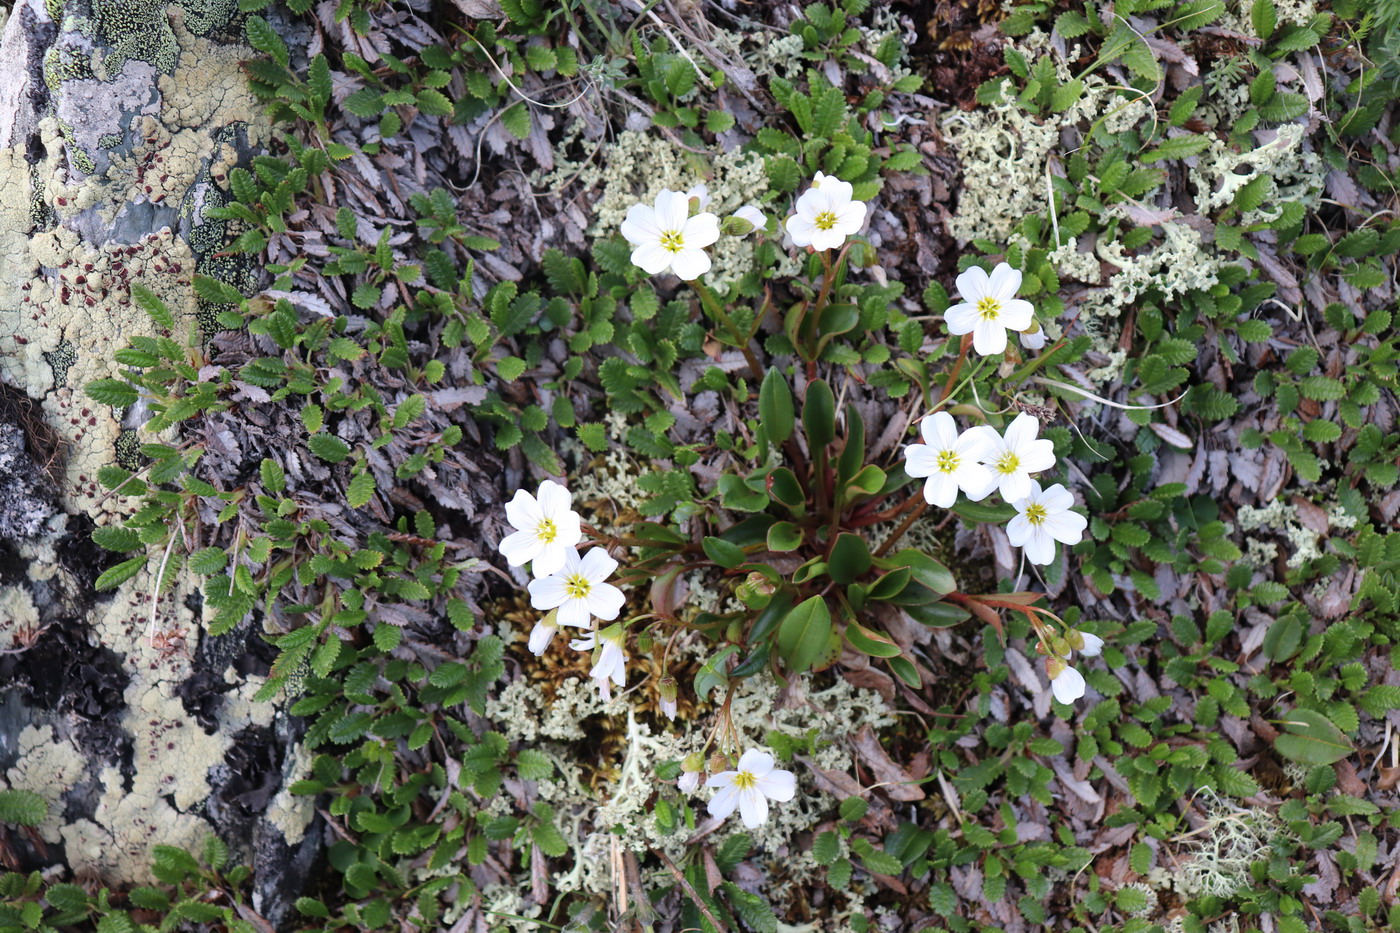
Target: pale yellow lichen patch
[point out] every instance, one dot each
(290, 813)
(638, 165)
(115, 845)
(50, 769)
(84, 305)
(16, 196)
(171, 753)
(17, 616)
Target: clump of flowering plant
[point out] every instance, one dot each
(805, 531)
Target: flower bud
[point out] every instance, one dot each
(734, 225)
(693, 762)
(667, 689)
(689, 782)
(744, 221)
(1060, 645)
(755, 591)
(1075, 639)
(719, 761)
(699, 196)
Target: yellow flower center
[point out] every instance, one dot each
(989, 309)
(672, 241)
(825, 220)
(1035, 513)
(577, 586)
(744, 780)
(547, 531)
(948, 461)
(1007, 463)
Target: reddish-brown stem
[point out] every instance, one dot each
(957, 366)
(904, 526)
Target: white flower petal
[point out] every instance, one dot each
(1014, 486)
(574, 612)
(753, 807)
(605, 601)
(1038, 456)
(1093, 645)
(989, 338)
(976, 481)
(640, 225)
(973, 284)
(652, 258)
(1004, 282)
(961, 319)
(672, 210)
(540, 637)
(1016, 314)
(1040, 547)
(700, 231)
(551, 559)
(690, 264)
(1022, 431)
(800, 229)
(1018, 530)
(756, 762)
(523, 512)
(520, 547)
(1067, 687)
(940, 430)
(548, 592)
(778, 785)
(723, 803)
(919, 460)
(1057, 498)
(941, 489)
(597, 565)
(722, 779)
(1067, 527)
(554, 499)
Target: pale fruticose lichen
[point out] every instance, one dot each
(1007, 155)
(639, 165)
(1281, 517)
(1216, 862)
(618, 814)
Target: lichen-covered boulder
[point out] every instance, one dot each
(119, 123)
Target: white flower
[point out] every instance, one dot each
(548, 529)
(1033, 340)
(611, 667)
(826, 215)
(1066, 683)
(541, 635)
(1044, 518)
(665, 236)
(989, 307)
(749, 215)
(950, 460)
(1091, 645)
(578, 590)
(1013, 457)
(689, 782)
(750, 788)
